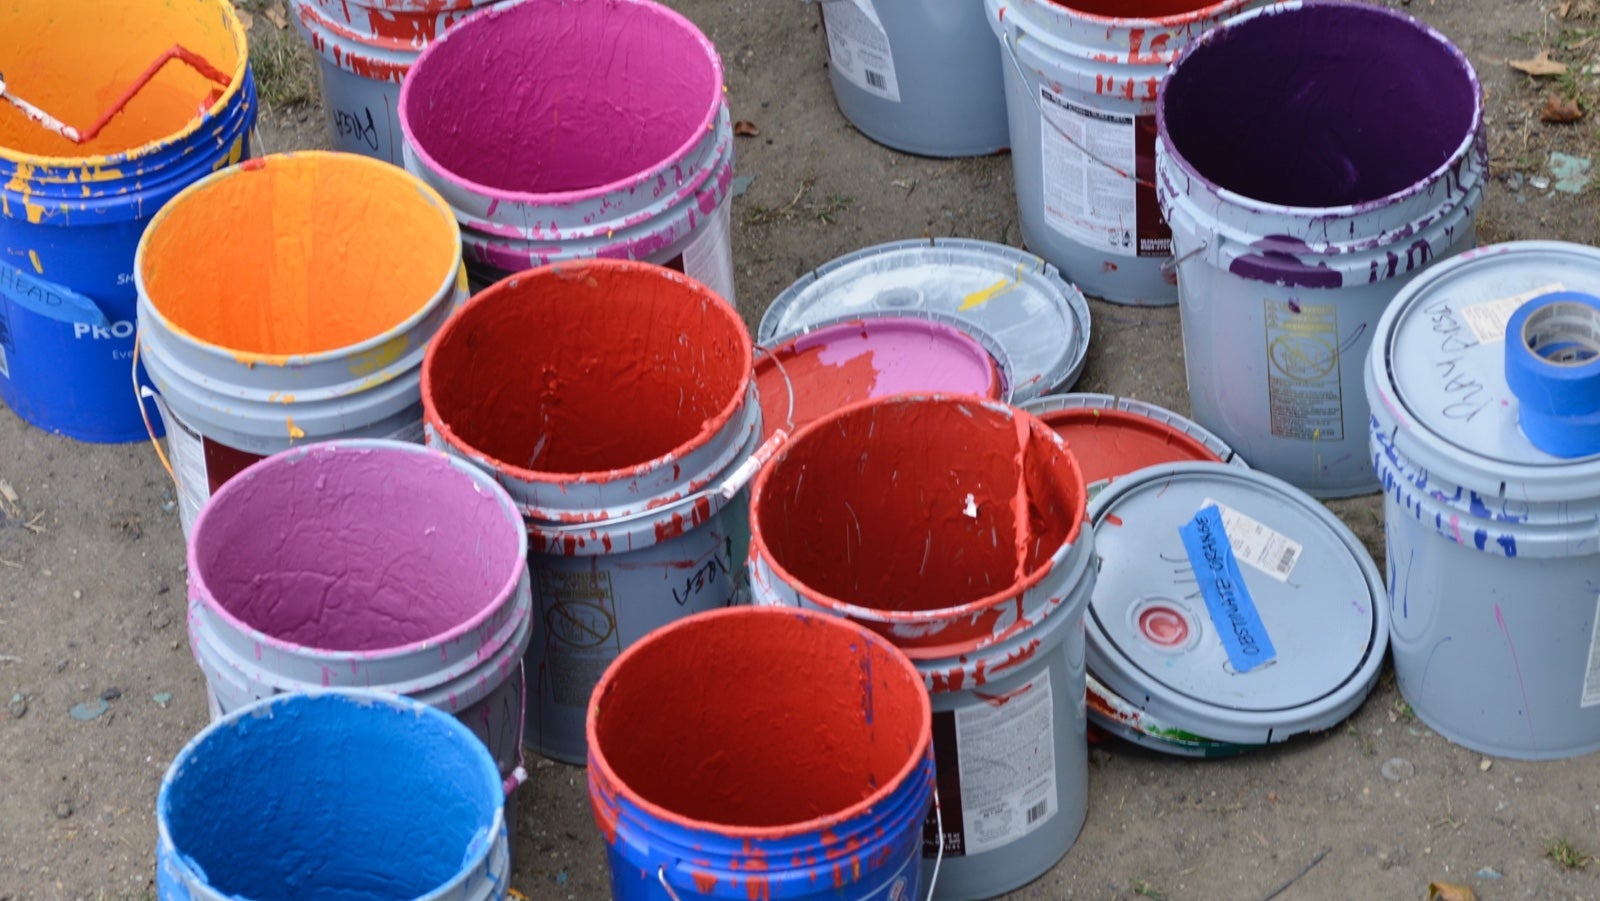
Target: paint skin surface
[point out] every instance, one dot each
(298, 254)
(74, 58)
(329, 798)
(815, 374)
(1136, 9)
(1113, 443)
(763, 718)
(551, 96)
(1321, 106)
(356, 550)
(587, 367)
(872, 507)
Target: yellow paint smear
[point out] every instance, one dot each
(979, 298)
(299, 254)
(33, 257)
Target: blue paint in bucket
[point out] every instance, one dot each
(350, 795)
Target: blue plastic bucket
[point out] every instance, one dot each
(71, 215)
(353, 795)
(758, 752)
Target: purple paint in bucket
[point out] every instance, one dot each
(606, 133)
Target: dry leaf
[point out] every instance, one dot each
(245, 18)
(8, 497)
(276, 13)
(744, 128)
(1565, 8)
(1540, 66)
(1558, 110)
(1439, 891)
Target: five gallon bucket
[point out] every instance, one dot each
(758, 753)
(1081, 79)
(366, 48)
(917, 75)
(1492, 541)
(71, 214)
(353, 795)
(1285, 269)
(561, 130)
(307, 323)
(614, 400)
(953, 527)
(366, 564)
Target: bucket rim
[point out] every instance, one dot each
(914, 760)
(1214, 10)
(504, 596)
(482, 18)
(1462, 150)
(567, 270)
(235, 27)
(454, 280)
(758, 541)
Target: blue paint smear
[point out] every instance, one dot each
(1508, 544)
(1233, 612)
(1480, 537)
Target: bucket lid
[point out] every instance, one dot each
(1287, 640)
(1114, 436)
(1040, 319)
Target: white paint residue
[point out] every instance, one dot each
(971, 509)
(1488, 320)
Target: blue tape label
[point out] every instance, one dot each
(49, 299)
(1228, 601)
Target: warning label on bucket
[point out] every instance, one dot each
(1303, 384)
(580, 617)
(1099, 178)
(1591, 677)
(858, 47)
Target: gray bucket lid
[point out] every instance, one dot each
(1319, 597)
(1040, 320)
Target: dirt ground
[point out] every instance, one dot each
(92, 576)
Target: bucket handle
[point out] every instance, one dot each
(519, 775)
(788, 417)
(1172, 264)
(1009, 42)
(140, 393)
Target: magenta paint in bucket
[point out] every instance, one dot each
(365, 564)
(559, 130)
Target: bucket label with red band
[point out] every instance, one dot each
(858, 47)
(996, 769)
(1304, 390)
(1232, 610)
(1099, 170)
(709, 257)
(1591, 678)
(580, 615)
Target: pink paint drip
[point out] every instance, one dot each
(1516, 665)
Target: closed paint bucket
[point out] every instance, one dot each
(830, 366)
(561, 130)
(759, 753)
(325, 795)
(614, 401)
(1492, 542)
(366, 564)
(1284, 270)
(1040, 321)
(962, 544)
(366, 48)
(917, 75)
(1232, 611)
(308, 324)
(71, 214)
(1081, 81)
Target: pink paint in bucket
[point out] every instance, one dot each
(560, 130)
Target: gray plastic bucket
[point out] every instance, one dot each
(921, 489)
(1493, 544)
(1284, 270)
(236, 381)
(1080, 96)
(917, 75)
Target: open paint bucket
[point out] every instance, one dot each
(1081, 79)
(1232, 611)
(71, 214)
(1284, 270)
(614, 400)
(962, 543)
(757, 753)
(1482, 384)
(366, 564)
(308, 325)
(560, 130)
(326, 795)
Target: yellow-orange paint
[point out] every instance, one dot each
(295, 432)
(33, 257)
(299, 254)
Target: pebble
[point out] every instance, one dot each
(18, 706)
(89, 710)
(63, 810)
(162, 697)
(1484, 764)
(1397, 769)
(111, 694)
(1488, 873)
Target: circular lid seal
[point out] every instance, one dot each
(1114, 436)
(1266, 620)
(1040, 319)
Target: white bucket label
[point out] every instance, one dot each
(1254, 543)
(1488, 320)
(5, 365)
(858, 47)
(580, 615)
(1591, 676)
(709, 257)
(1305, 394)
(1092, 191)
(5, 342)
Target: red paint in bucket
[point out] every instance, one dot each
(1136, 10)
(1112, 443)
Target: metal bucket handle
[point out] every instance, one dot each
(140, 393)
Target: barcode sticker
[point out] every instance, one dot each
(858, 47)
(1591, 676)
(1037, 812)
(1488, 319)
(1253, 543)
(876, 80)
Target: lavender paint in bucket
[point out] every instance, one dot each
(1300, 204)
(559, 130)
